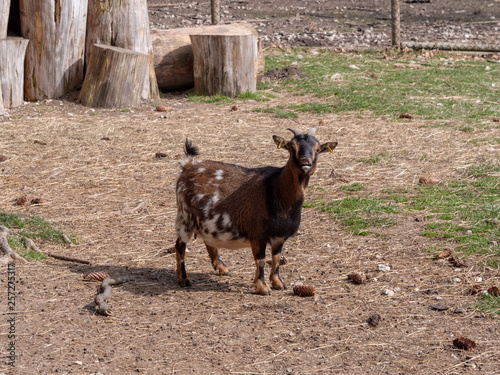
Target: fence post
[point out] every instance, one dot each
(396, 25)
(215, 10)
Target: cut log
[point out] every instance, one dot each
(453, 46)
(54, 59)
(124, 24)
(173, 55)
(12, 54)
(225, 61)
(115, 77)
(4, 17)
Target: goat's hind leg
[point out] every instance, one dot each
(180, 247)
(217, 262)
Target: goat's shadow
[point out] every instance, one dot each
(148, 281)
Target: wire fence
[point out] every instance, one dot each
(342, 23)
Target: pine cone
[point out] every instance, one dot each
(457, 262)
(445, 253)
(304, 291)
(357, 277)
(494, 291)
(465, 344)
(95, 276)
(373, 320)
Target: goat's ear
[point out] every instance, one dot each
(280, 142)
(329, 146)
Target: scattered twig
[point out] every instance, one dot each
(9, 254)
(103, 293)
(28, 242)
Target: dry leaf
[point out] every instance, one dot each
(162, 108)
(494, 291)
(21, 201)
(160, 155)
(37, 201)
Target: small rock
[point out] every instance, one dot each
(373, 320)
(439, 307)
(478, 279)
(336, 77)
(457, 279)
(388, 292)
(383, 268)
(352, 66)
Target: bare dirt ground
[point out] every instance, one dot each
(343, 24)
(118, 200)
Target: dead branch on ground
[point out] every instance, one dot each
(9, 254)
(28, 242)
(103, 293)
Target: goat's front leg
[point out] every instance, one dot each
(180, 248)
(274, 277)
(259, 255)
(217, 263)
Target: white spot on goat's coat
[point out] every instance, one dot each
(218, 174)
(201, 170)
(226, 220)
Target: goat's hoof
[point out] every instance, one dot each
(184, 283)
(263, 290)
(224, 272)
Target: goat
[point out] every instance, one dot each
(230, 206)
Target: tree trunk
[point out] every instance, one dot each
(225, 61)
(124, 24)
(4, 17)
(396, 23)
(12, 53)
(115, 77)
(54, 59)
(173, 55)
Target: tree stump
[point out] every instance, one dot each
(4, 17)
(115, 77)
(225, 61)
(54, 58)
(173, 55)
(12, 53)
(124, 24)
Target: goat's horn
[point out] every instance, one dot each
(311, 132)
(295, 131)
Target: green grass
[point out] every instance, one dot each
(437, 89)
(32, 227)
(360, 213)
(466, 213)
(259, 96)
(488, 304)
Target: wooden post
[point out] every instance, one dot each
(124, 24)
(4, 17)
(115, 77)
(225, 61)
(396, 24)
(12, 53)
(215, 11)
(54, 58)
(173, 55)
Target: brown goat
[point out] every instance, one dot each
(230, 206)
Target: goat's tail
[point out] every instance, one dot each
(190, 152)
